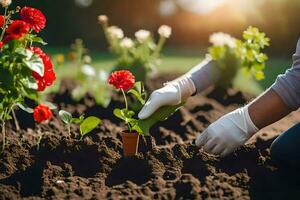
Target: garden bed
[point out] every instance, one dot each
(168, 165)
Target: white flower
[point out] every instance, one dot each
(142, 35)
(103, 75)
(87, 59)
(102, 19)
(126, 43)
(5, 3)
(165, 31)
(88, 70)
(115, 32)
(222, 39)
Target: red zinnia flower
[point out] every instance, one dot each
(2, 20)
(34, 17)
(17, 29)
(122, 79)
(41, 113)
(49, 74)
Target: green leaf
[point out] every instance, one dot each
(50, 105)
(38, 40)
(25, 107)
(88, 125)
(65, 116)
(34, 62)
(30, 83)
(124, 114)
(137, 95)
(143, 126)
(138, 92)
(77, 120)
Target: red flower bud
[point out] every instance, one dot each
(42, 113)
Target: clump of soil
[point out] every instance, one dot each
(168, 165)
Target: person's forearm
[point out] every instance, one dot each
(267, 109)
(204, 75)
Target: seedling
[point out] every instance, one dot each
(86, 125)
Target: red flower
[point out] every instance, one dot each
(41, 113)
(2, 20)
(122, 79)
(34, 17)
(49, 74)
(17, 29)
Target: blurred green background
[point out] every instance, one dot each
(192, 22)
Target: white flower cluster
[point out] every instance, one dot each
(5, 3)
(102, 18)
(115, 32)
(142, 35)
(165, 31)
(126, 43)
(222, 39)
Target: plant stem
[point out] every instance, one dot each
(5, 23)
(69, 130)
(126, 103)
(3, 136)
(40, 136)
(16, 120)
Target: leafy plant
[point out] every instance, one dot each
(86, 125)
(139, 55)
(25, 70)
(232, 54)
(88, 78)
(137, 90)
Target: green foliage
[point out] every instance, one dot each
(163, 113)
(86, 125)
(140, 55)
(88, 78)
(245, 55)
(143, 126)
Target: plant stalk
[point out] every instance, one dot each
(126, 103)
(16, 120)
(5, 23)
(3, 136)
(69, 130)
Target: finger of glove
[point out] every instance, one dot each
(218, 149)
(209, 146)
(149, 108)
(201, 139)
(225, 152)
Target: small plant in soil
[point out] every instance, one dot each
(124, 81)
(140, 55)
(25, 70)
(232, 55)
(86, 125)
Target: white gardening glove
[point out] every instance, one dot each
(227, 133)
(172, 93)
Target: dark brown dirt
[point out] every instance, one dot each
(168, 166)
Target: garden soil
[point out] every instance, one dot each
(168, 165)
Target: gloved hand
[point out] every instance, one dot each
(171, 94)
(227, 133)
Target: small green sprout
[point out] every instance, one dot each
(86, 125)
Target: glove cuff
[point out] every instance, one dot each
(251, 127)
